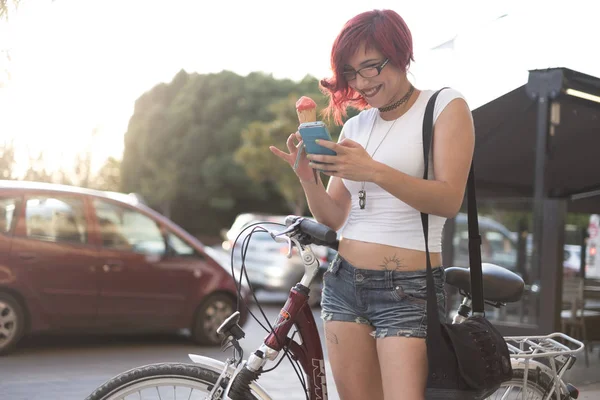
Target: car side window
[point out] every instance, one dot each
(8, 206)
(461, 239)
(122, 228)
(56, 219)
(179, 247)
(498, 245)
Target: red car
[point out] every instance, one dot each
(74, 259)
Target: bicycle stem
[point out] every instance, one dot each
(311, 265)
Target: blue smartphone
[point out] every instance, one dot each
(310, 131)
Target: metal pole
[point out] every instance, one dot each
(584, 238)
(543, 115)
(539, 183)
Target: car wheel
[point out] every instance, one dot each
(12, 322)
(215, 309)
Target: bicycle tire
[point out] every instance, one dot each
(536, 380)
(115, 387)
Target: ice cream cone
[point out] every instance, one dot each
(309, 115)
(306, 109)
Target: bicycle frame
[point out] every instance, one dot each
(296, 311)
(238, 377)
(309, 352)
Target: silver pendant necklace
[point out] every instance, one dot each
(362, 193)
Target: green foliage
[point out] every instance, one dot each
(263, 166)
(197, 148)
(109, 176)
(181, 142)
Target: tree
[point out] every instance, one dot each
(37, 171)
(180, 144)
(5, 5)
(109, 176)
(159, 185)
(62, 177)
(182, 139)
(261, 165)
(7, 160)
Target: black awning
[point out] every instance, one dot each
(506, 138)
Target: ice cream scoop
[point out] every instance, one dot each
(306, 108)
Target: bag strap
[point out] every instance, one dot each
(474, 247)
(473, 227)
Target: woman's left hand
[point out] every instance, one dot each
(352, 161)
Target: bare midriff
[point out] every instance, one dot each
(376, 256)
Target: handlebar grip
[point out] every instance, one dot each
(318, 231)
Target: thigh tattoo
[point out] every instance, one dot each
(331, 337)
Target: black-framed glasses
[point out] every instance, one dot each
(366, 72)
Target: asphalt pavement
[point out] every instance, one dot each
(62, 367)
(71, 367)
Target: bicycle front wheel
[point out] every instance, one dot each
(537, 388)
(165, 381)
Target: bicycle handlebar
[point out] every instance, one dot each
(317, 233)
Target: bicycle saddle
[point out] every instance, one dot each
(499, 284)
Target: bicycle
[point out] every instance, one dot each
(539, 362)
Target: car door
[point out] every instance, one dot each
(8, 207)
(139, 286)
(56, 262)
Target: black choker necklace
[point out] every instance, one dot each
(397, 104)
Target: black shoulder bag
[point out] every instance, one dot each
(467, 361)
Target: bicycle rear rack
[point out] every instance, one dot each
(542, 346)
(555, 351)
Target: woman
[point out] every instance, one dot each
(374, 293)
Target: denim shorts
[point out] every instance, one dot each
(394, 303)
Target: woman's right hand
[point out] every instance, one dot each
(304, 172)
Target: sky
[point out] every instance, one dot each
(77, 66)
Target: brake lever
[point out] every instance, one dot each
(283, 237)
(289, 253)
(285, 232)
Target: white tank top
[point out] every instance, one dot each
(386, 219)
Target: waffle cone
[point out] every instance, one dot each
(309, 115)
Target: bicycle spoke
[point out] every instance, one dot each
(516, 392)
(164, 389)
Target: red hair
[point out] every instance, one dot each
(384, 30)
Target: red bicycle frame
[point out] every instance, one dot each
(296, 311)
